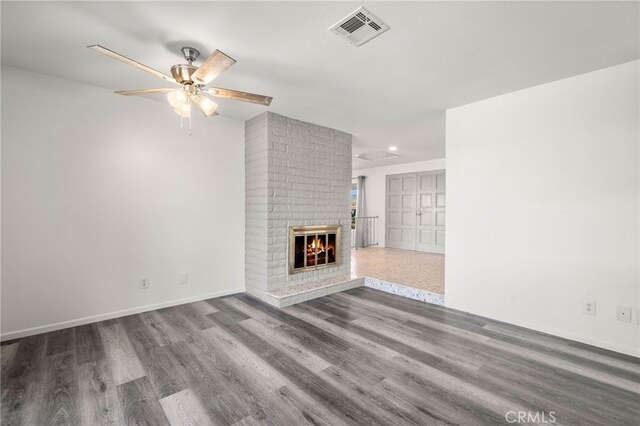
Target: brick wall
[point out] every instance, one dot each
(297, 173)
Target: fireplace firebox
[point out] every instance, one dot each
(313, 247)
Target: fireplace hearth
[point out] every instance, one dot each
(313, 247)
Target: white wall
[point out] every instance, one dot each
(543, 207)
(98, 190)
(375, 187)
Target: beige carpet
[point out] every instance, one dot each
(406, 267)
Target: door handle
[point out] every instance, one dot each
(418, 212)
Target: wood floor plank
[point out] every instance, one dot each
(249, 421)
(7, 352)
(180, 326)
(193, 315)
(132, 322)
(183, 408)
(99, 403)
(139, 407)
(317, 313)
(23, 381)
(160, 328)
(274, 335)
(246, 359)
(325, 305)
(58, 402)
(88, 343)
(121, 357)
(228, 310)
(203, 308)
(159, 365)
(357, 357)
(252, 312)
(61, 341)
(28, 353)
(312, 412)
(211, 387)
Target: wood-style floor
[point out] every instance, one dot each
(358, 357)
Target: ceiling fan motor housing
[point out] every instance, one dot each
(182, 73)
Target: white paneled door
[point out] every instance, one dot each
(401, 211)
(416, 209)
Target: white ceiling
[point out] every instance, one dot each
(391, 91)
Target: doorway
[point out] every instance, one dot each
(416, 211)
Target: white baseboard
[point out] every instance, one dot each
(110, 315)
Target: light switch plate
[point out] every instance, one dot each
(623, 313)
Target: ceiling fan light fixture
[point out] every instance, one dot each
(177, 98)
(183, 110)
(206, 105)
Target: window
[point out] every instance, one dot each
(354, 203)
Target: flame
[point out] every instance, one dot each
(316, 246)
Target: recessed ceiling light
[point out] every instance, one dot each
(393, 148)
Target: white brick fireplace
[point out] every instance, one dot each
(296, 174)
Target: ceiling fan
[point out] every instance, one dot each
(191, 80)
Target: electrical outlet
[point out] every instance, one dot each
(623, 314)
(589, 307)
(184, 278)
(145, 282)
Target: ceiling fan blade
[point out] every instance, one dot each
(206, 105)
(144, 92)
(119, 57)
(213, 66)
(240, 96)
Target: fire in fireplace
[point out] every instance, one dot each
(313, 247)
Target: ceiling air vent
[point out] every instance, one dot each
(359, 27)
